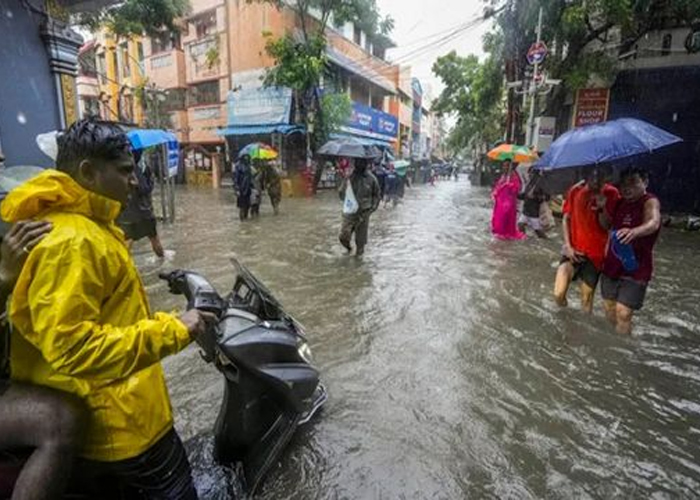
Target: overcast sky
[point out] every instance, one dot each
(417, 21)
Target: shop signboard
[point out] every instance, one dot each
(259, 106)
(591, 106)
(372, 122)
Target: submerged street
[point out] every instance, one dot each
(451, 372)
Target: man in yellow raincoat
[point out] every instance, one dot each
(82, 318)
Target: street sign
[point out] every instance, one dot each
(591, 106)
(536, 53)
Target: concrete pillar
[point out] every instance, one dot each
(62, 45)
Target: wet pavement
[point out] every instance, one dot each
(451, 372)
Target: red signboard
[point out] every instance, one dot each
(591, 106)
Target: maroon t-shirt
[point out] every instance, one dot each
(631, 214)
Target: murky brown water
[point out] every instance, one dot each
(451, 372)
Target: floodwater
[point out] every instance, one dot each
(451, 372)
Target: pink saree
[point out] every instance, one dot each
(504, 223)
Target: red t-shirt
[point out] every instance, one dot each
(585, 232)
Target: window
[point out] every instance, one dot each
(115, 63)
(125, 104)
(139, 52)
(91, 106)
(666, 44)
(165, 42)
(204, 93)
(205, 24)
(101, 65)
(125, 60)
(357, 35)
(174, 100)
(88, 64)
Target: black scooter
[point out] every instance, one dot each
(271, 385)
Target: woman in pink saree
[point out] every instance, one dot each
(505, 209)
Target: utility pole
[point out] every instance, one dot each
(533, 88)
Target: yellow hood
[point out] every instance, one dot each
(54, 190)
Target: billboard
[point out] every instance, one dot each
(591, 106)
(373, 122)
(259, 106)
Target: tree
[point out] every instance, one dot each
(473, 93)
(301, 63)
(584, 37)
(137, 17)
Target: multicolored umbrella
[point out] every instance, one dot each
(258, 151)
(512, 152)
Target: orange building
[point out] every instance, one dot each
(218, 58)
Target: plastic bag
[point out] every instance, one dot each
(48, 144)
(350, 205)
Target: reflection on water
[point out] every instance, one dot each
(451, 372)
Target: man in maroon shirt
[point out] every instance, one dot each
(636, 220)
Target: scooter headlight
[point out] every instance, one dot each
(305, 352)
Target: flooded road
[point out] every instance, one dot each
(451, 372)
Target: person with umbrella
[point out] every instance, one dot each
(361, 195)
(272, 182)
(137, 219)
(505, 205)
(585, 238)
(243, 184)
(504, 220)
(635, 215)
(629, 262)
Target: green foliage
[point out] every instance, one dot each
(212, 55)
(137, 17)
(474, 94)
(299, 65)
(364, 13)
(336, 110)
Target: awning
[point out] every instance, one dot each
(363, 71)
(280, 128)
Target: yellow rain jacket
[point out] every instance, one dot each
(82, 320)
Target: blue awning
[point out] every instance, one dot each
(280, 128)
(146, 138)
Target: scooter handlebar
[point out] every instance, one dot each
(200, 295)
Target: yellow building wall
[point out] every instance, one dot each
(112, 82)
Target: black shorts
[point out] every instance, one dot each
(626, 291)
(145, 228)
(584, 270)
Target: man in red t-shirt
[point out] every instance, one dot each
(585, 238)
(636, 219)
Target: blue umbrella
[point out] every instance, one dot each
(604, 143)
(146, 138)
